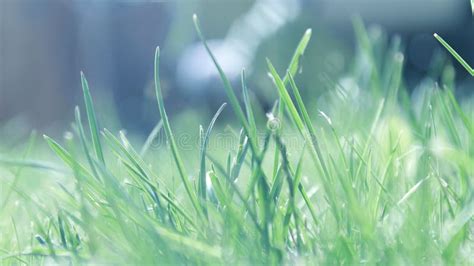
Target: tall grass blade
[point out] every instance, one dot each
(295, 61)
(202, 171)
(65, 155)
(169, 134)
(234, 102)
(453, 52)
(91, 117)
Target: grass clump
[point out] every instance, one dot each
(381, 176)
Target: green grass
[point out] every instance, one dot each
(375, 175)
(451, 50)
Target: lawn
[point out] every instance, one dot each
(374, 173)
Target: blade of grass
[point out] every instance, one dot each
(149, 140)
(248, 107)
(91, 117)
(35, 164)
(286, 98)
(202, 171)
(299, 51)
(65, 155)
(412, 190)
(240, 157)
(234, 102)
(82, 136)
(169, 135)
(453, 52)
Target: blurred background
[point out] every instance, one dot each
(44, 44)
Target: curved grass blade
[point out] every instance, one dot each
(202, 171)
(234, 102)
(230, 92)
(240, 157)
(149, 140)
(170, 136)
